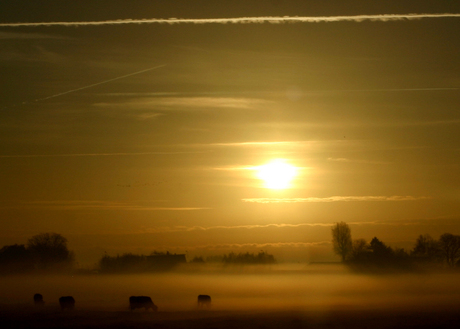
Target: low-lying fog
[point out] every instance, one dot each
(308, 287)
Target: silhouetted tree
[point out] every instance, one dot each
(131, 263)
(214, 259)
(377, 257)
(125, 263)
(401, 257)
(341, 239)
(449, 245)
(380, 250)
(360, 251)
(197, 259)
(49, 250)
(15, 259)
(426, 248)
(246, 258)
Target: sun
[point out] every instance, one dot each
(277, 174)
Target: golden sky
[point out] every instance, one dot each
(151, 135)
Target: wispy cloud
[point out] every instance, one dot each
(188, 103)
(284, 144)
(96, 154)
(96, 205)
(254, 226)
(346, 160)
(287, 143)
(244, 20)
(274, 94)
(336, 199)
(14, 35)
(339, 159)
(191, 229)
(261, 245)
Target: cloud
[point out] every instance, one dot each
(148, 116)
(174, 229)
(96, 205)
(251, 144)
(187, 103)
(260, 245)
(254, 226)
(96, 154)
(274, 93)
(244, 20)
(339, 159)
(346, 160)
(335, 199)
(13, 35)
(286, 146)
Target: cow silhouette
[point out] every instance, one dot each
(67, 302)
(38, 300)
(142, 302)
(204, 300)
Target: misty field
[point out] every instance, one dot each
(246, 297)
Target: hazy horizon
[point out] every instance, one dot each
(294, 287)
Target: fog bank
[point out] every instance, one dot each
(312, 287)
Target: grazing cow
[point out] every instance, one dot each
(38, 300)
(142, 302)
(67, 302)
(204, 300)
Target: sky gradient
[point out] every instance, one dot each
(128, 137)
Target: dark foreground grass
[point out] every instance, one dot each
(353, 318)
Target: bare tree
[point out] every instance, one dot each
(449, 245)
(50, 249)
(341, 239)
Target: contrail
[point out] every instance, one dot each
(244, 20)
(100, 83)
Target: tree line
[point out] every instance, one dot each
(427, 251)
(131, 263)
(241, 258)
(157, 261)
(46, 251)
(49, 252)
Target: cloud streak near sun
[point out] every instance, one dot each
(335, 199)
(189, 103)
(244, 20)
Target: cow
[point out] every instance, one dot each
(67, 302)
(204, 300)
(142, 302)
(38, 300)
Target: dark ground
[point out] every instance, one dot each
(15, 317)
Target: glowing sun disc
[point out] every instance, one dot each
(277, 174)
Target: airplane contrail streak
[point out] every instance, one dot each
(99, 83)
(243, 20)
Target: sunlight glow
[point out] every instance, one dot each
(277, 174)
